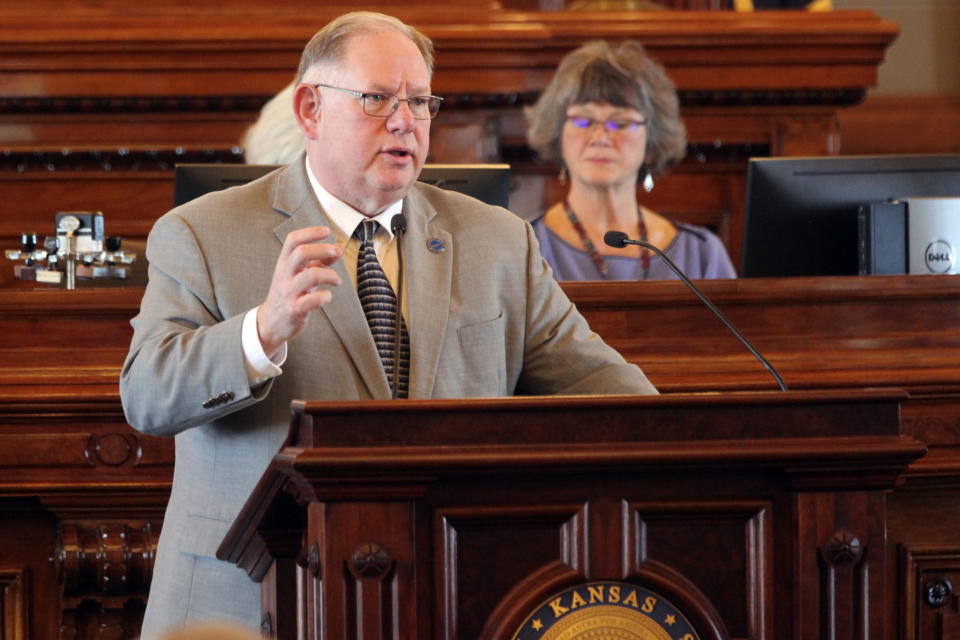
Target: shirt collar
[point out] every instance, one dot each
(344, 217)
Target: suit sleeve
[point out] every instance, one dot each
(185, 366)
(561, 354)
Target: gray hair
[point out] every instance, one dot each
(327, 47)
(624, 76)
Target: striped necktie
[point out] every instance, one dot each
(380, 307)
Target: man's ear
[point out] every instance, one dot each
(306, 108)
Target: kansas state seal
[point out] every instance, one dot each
(606, 611)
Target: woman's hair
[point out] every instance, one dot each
(624, 76)
(276, 137)
(328, 45)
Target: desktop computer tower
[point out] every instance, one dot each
(910, 236)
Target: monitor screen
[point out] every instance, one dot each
(801, 215)
(487, 182)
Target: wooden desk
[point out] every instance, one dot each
(756, 514)
(70, 465)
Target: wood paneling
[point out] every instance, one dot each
(15, 599)
(245, 50)
(753, 532)
(69, 462)
(99, 100)
(902, 124)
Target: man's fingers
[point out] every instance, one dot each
(312, 300)
(313, 277)
(303, 245)
(303, 236)
(308, 255)
(313, 255)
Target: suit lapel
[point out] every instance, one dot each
(296, 199)
(428, 277)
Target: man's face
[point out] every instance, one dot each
(367, 161)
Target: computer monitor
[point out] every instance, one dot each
(801, 216)
(487, 182)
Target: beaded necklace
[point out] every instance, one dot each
(592, 250)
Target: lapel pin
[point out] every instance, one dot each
(435, 245)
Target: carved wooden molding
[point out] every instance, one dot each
(569, 523)
(311, 560)
(103, 571)
(461, 101)
(111, 617)
(746, 557)
(80, 104)
(14, 604)
(81, 163)
(841, 560)
(112, 160)
(110, 559)
(70, 469)
(842, 548)
(370, 561)
(938, 592)
(66, 54)
(114, 449)
(928, 597)
(281, 539)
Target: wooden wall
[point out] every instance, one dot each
(98, 101)
(925, 123)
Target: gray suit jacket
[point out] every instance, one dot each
(486, 319)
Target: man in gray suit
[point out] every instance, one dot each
(221, 346)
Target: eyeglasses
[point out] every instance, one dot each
(384, 105)
(611, 126)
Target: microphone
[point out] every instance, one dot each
(398, 225)
(618, 240)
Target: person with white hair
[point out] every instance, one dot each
(275, 138)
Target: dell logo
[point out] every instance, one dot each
(939, 257)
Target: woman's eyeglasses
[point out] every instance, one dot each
(611, 126)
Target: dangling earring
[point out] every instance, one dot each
(647, 179)
(563, 176)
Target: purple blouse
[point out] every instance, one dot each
(696, 251)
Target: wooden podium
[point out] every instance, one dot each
(756, 515)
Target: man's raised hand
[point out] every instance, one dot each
(302, 268)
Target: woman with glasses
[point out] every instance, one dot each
(610, 119)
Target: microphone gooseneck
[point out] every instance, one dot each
(398, 225)
(618, 240)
